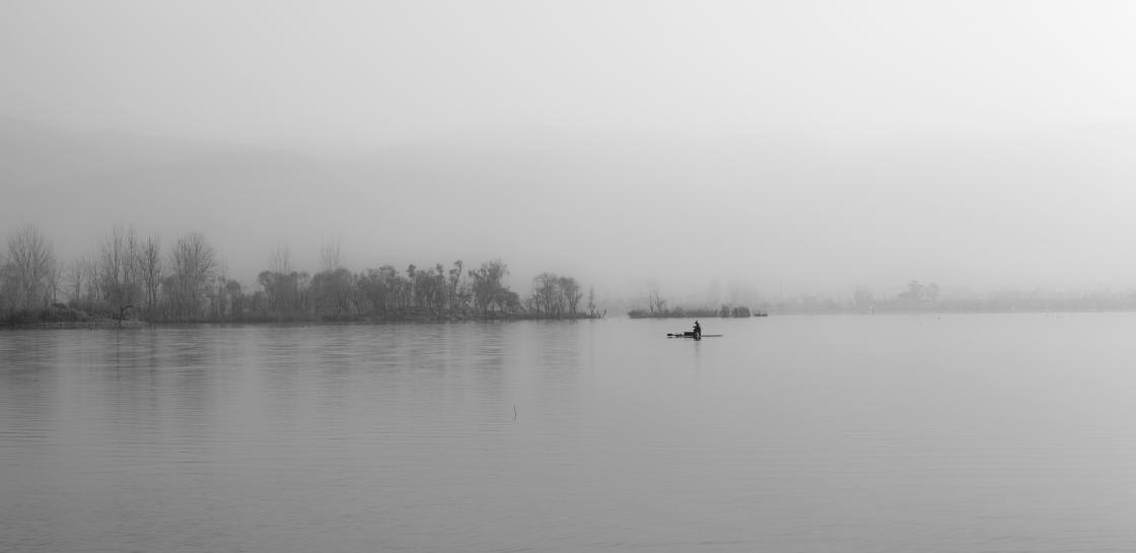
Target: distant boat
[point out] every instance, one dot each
(689, 334)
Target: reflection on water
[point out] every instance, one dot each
(959, 433)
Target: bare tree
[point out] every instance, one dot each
(280, 261)
(82, 283)
(75, 281)
(546, 294)
(453, 291)
(55, 282)
(489, 290)
(31, 265)
(94, 284)
(330, 255)
(120, 268)
(193, 264)
(572, 294)
(7, 284)
(150, 265)
(132, 271)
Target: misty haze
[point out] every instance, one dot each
(573, 276)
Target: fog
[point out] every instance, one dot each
(795, 147)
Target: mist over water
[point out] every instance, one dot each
(885, 433)
(408, 163)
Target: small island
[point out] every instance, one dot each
(657, 309)
(704, 313)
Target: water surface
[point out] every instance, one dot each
(989, 433)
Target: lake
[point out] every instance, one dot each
(896, 433)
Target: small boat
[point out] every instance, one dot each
(689, 334)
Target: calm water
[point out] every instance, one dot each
(789, 434)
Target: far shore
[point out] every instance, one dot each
(113, 324)
(110, 323)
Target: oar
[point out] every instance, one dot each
(671, 335)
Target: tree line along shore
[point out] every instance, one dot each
(133, 280)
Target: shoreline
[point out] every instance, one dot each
(113, 324)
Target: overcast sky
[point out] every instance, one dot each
(813, 146)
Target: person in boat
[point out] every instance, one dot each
(697, 330)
